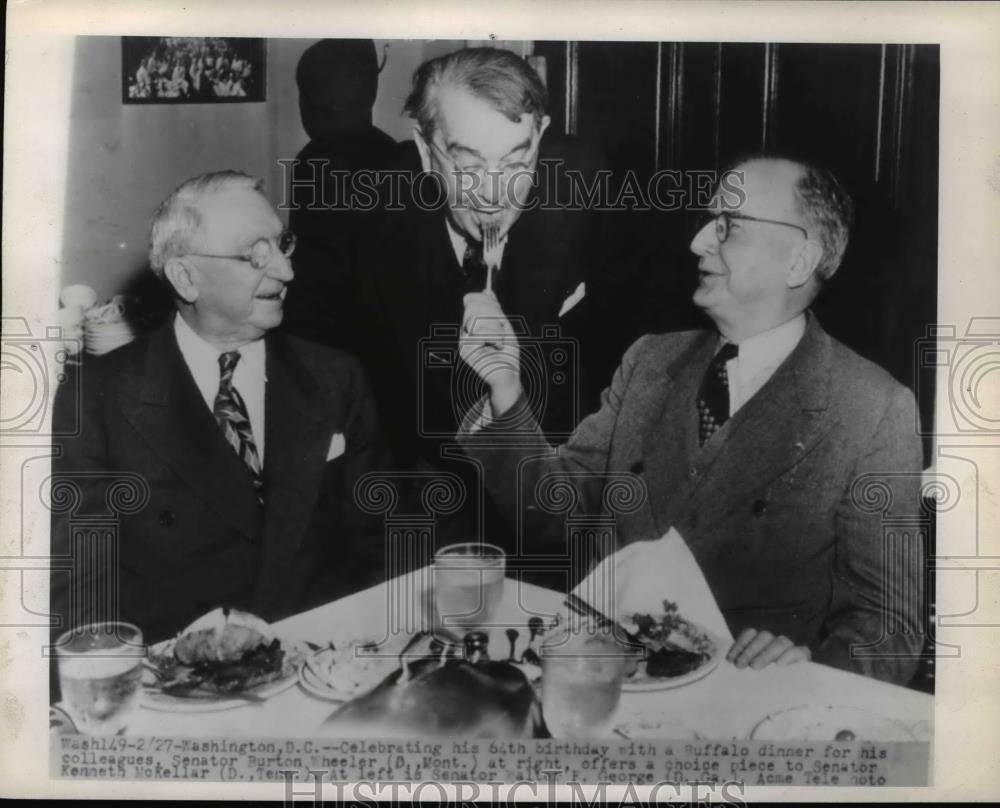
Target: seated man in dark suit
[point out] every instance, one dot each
(757, 440)
(237, 448)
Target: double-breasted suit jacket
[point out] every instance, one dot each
(203, 539)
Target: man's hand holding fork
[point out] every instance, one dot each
(488, 343)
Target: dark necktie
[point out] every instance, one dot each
(231, 413)
(713, 395)
(474, 267)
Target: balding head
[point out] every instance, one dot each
(765, 258)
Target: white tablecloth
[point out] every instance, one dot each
(726, 704)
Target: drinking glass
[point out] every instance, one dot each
(582, 672)
(468, 583)
(100, 674)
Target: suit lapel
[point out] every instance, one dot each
(774, 430)
(670, 442)
(300, 419)
(537, 262)
(167, 410)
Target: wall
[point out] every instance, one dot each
(124, 159)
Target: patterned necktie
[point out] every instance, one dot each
(474, 267)
(713, 396)
(231, 413)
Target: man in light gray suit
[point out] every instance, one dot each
(758, 441)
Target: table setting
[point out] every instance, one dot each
(464, 647)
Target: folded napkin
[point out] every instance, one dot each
(640, 576)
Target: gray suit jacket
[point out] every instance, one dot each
(803, 510)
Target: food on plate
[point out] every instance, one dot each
(674, 646)
(226, 651)
(227, 644)
(351, 668)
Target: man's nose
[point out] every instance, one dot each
(280, 267)
(491, 187)
(705, 241)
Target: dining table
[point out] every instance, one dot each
(727, 703)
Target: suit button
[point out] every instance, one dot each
(759, 507)
(166, 519)
(638, 467)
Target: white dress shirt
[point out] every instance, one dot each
(758, 358)
(459, 244)
(249, 378)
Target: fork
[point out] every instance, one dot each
(491, 253)
(582, 608)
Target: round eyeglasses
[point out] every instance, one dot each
(723, 222)
(506, 172)
(261, 252)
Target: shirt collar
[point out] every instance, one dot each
(203, 357)
(769, 349)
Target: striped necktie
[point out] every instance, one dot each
(713, 396)
(231, 413)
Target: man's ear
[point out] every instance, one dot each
(423, 148)
(180, 276)
(546, 120)
(804, 265)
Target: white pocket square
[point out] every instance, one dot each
(574, 298)
(337, 446)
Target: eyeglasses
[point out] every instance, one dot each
(507, 171)
(261, 252)
(723, 221)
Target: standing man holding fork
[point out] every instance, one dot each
(473, 222)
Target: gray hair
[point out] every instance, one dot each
(828, 208)
(498, 76)
(178, 218)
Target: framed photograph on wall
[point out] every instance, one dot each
(190, 70)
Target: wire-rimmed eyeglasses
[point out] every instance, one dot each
(723, 221)
(261, 252)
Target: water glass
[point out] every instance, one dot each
(100, 674)
(468, 584)
(582, 673)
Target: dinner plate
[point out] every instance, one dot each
(206, 701)
(639, 682)
(819, 722)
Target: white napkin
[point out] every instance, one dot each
(640, 576)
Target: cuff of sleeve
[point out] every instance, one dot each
(479, 416)
(518, 420)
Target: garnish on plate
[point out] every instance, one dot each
(674, 646)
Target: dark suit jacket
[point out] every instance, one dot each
(202, 540)
(777, 508)
(412, 281)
